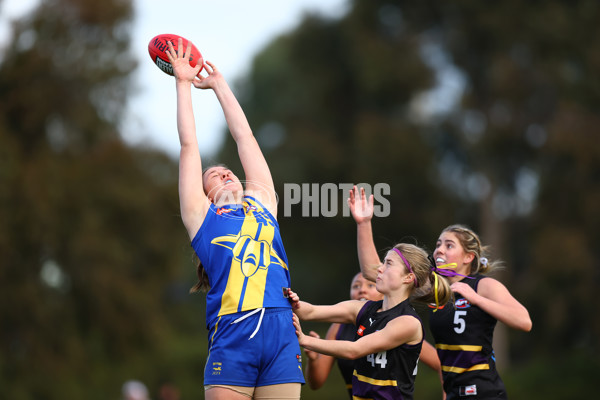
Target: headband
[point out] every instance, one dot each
(407, 265)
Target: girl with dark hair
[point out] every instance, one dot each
(253, 349)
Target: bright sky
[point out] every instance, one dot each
(227, 32)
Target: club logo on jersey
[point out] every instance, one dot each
(250, 208)
(299, 358)
(250, 254)
(216, 367)
(361, 330)
(462, 303)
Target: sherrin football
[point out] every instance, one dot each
(158, 47)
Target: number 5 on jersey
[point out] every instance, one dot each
(459, 321)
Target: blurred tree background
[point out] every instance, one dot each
(482, 113)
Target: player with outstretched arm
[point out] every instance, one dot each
(253, 349)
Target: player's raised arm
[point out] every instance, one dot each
(226, 225)
(193, 202)
(259, 182)
(361, 208)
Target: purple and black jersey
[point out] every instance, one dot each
(346, 332)
(388, 374)
(463, 338)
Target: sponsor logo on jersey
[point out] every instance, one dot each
(360, 331)
(462, 303)
(432, 305)
(468, 390)
(222, 211)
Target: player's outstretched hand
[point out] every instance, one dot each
(299, 332)
(360, 207)
(179, 60)
(211, 80)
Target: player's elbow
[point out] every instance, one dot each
(526, 325)
(370, 272)
(315, 384)
(523, 323)
(352, 353)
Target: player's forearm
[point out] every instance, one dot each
(429, 356)
(186, 126)
(515, 316)
(234, 114)
(305, 311)
(336, 348)
(318, 369)
(368, 258)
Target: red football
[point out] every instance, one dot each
(158, 47)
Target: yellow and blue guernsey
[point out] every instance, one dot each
(241, 250)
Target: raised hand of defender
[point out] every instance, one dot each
(360, 207)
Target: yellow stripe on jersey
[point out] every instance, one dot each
(361, 398)
(460, 347)
(376, 382)
(477, 367)
(255, 290)
(212, 338)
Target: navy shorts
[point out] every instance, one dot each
(254, 348)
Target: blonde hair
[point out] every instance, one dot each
(425, 288)
(471, 243)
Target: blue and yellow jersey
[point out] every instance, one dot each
(240, 248)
